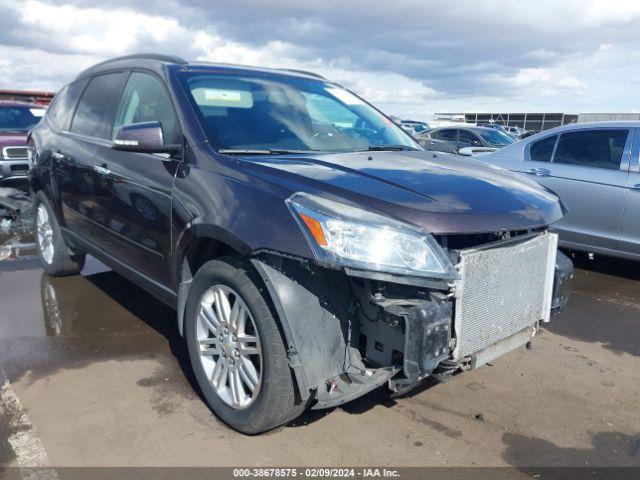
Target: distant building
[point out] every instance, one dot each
(43, 98)
(604, 117)
(528, 121)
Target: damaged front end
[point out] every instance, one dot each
(350, 330)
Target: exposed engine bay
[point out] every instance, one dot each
(16, 225)
(351, 331)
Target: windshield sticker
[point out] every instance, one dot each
(217, 97)
(37, 112)
(344, 96)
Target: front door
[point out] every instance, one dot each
(139, 205)
(588, 169)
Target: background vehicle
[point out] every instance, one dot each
(16, 119)
(529, 133)
(307, 243)
(452, 139)
(495, 126)
(515, 132)
(594, 168)
(414, 127)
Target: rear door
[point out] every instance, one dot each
(82, 190)
(588, 169)
(442, 140)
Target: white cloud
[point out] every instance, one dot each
(94, 30)
(407, 59)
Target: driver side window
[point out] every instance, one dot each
(146, 100)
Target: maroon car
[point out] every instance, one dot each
(16, 119)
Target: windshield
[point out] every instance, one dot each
(275, 113)
(19, 118)
(496, 137)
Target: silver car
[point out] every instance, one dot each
(595, 169)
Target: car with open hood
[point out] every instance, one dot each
(312, 249)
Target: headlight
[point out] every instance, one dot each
(344, 235)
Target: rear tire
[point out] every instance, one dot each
(56, 257)
(273, 400)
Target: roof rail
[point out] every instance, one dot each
(146, 56)
(304, 72)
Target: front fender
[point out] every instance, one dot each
(315, 319)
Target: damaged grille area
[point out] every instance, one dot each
(462, 241)
(503, 289)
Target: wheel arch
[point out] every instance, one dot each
(198, 244)
(202, 244)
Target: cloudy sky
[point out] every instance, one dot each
(409, 57)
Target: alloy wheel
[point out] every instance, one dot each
(229, 346)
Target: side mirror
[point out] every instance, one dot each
(143, 137)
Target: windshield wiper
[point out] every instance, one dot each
(382, 148)
(252, 151)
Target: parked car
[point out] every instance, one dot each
(414, 127)
(529, 133)
(16, 119)
(475, 151)
(514, 131)
(313, 251)
(594, 167)
(453, 139)
(495, 126)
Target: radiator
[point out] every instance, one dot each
(504, 287)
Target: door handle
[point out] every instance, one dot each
(57, 156)
(540, 172)
(101, 170)
(636, 186)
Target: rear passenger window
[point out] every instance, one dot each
(146, 100)
(592, 148)
(94, 115)
(447, 134)
(467, 137)
(61, 110)
(542, 150)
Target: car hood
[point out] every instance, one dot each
(13, 139)
(439, 193)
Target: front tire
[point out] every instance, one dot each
(236, 349)
(56, 257)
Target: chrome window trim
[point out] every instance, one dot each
(88, 138)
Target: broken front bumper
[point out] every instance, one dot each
(349, 332)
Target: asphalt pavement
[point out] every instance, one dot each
(97, 375)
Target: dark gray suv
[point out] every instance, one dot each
(313, 251)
